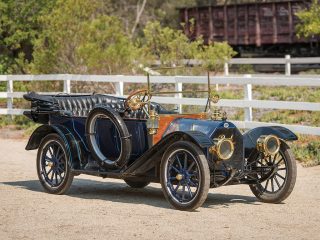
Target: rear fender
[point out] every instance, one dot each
(250, 137)
(71, 142)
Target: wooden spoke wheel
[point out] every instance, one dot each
(279, 185)
(52, 165)
(185, 176)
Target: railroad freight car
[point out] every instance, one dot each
(263, 29)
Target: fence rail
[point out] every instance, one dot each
(246, 81)
(287, 61)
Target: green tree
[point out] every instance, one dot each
(168, 45)
(215, 55)
(105, 48)
(19, 26)
(55, 49)
(310, 21)
(79, 38)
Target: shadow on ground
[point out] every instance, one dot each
(121, 192)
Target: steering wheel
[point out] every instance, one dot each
(137, 99)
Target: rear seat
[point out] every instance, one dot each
(80, 106)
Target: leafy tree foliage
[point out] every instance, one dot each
(77, 38)
(93, 36)
(19, 26)
(215, 55)
(310, 21)
(105, 48)
(168, 45)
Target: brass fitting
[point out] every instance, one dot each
(222, 147)
(268, 144)
(153, 122)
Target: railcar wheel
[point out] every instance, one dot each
(185, 176)
(53, 169)
(137, 184)
(281, 183)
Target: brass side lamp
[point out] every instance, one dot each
(153, 122)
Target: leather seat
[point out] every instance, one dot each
(80, 106)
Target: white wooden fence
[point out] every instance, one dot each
(287, 62)
(246, 81)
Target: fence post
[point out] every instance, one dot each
(9, 92)
(178, 88)
(226, 69)
(119, 88)
(67, 85)
(288, 65)
(248, 96)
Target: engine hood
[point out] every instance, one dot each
(208, 127)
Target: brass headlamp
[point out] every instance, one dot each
(222, 147)
(153, 122)
(268, 144)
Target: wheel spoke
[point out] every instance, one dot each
(177, 187)
(60, 176)
(56, 177)
(52, 177)
(185, 161)
(177, 158)
(279, 161)
(277, 182)
(274, 158)
(279, 169)
(193, 184)
(191, 166)
(259, 161)
(58, 152)
(280, 176)
(49, 172)
(266, 187)
(174, 168)
(50, 151)
(183, 192)
(272, 185)
(189, 190)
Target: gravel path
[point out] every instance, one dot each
(108, 209)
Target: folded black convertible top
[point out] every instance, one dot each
(80, 105)
(33, 96)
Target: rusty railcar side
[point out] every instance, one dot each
(254, 24)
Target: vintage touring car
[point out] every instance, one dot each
(139, 141)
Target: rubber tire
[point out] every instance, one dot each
(124, 134)
(136, 184)
(64, 187)
(280, 196)
(205, 175)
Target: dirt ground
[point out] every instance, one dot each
(98, 208)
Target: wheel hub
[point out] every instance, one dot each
(183, 177)
(51, 164)
(179, 177)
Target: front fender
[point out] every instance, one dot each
(152, 157)
(250, 137)
(72, 144)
